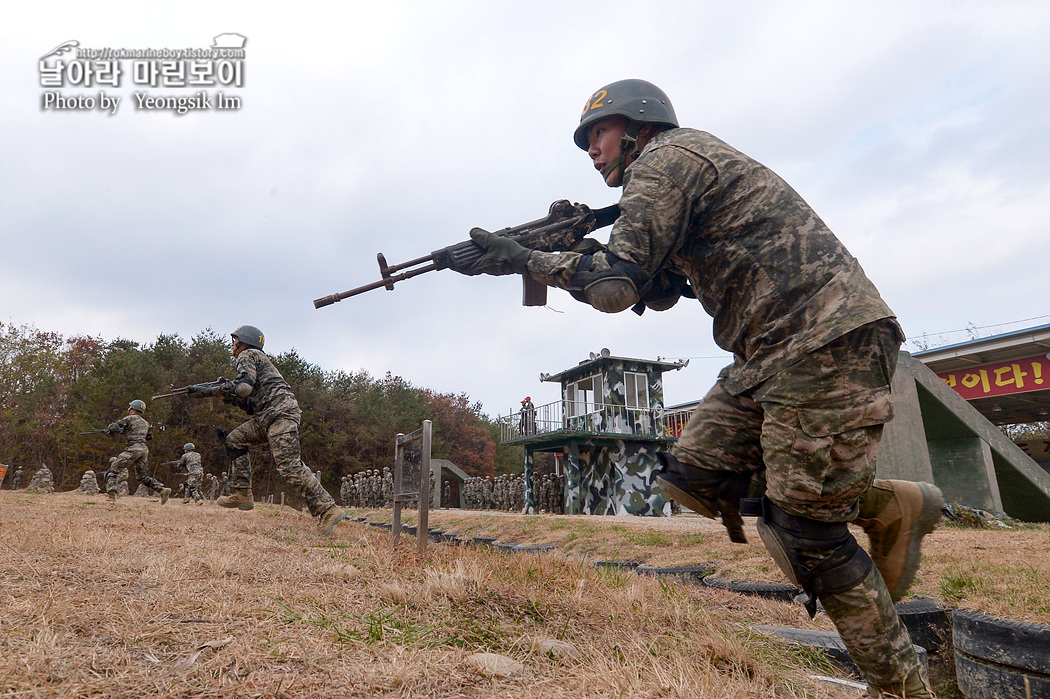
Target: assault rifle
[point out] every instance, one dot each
(104, 430)
(218, 387)
(211, 388)
(170, 463)
(560, 230)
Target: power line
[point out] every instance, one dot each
(971, 328)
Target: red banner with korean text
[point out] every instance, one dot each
(3, 472)
(1000, 379)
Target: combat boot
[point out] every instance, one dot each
(706, 492)
(914, 687)
(242, 499)
(896, 515)
(329, 518)
(165, 493)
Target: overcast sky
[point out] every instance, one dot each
(920, 132)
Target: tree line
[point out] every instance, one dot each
(52, 388)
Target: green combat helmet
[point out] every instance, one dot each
(249, 335)
(639, 101)
(137, 405)
(188, 446)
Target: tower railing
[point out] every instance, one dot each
(592, 418)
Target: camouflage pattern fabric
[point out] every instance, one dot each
(122, 479)
(136, 454)
(282, 434)
(812, 432)
(191, 461)
(872, 631)
(611, 478)
(134, 428)
(270, 396)
(16, 479)
(777, 281)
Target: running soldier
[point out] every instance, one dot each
(136, 432)
(191, 462)
(261, 391)
(801, 409)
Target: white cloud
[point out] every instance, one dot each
(918, 131)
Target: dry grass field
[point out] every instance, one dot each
(134, 599)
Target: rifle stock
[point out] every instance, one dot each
(563, 227)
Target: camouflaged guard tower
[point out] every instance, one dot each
(607, 427)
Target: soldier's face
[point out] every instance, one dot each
(603, 145)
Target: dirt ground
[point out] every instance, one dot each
(137, 599)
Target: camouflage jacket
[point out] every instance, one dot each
(191, 461)
(134, 428)
(270, 396)
(776, 280)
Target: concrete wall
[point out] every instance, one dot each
(937, 436)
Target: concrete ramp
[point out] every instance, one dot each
(936, 436)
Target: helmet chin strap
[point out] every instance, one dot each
(628, 148)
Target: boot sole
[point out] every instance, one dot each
(932, 502)
(683, 497)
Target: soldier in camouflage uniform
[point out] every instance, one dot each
(136, 432)
(262, 392)
(16, 478)
(191, 462)
(802, 406)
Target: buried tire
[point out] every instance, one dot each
(927, 622)
(999, 658)
(776, 591)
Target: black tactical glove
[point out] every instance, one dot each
(502, 255)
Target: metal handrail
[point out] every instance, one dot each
(592, 418)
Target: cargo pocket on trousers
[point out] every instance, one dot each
(841, 415)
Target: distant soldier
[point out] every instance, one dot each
(16, 478)
(224, 485)
(446, 499)
(343, 492)
(209, 484)
(261, 391)
(530, 416)
(521, 418)
(136, 432)
(388, 488)
(191, 461)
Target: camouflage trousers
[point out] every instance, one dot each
(193, 487)
(809, 435)
(283, 438)
(136, 455)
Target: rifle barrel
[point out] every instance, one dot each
(388, 282)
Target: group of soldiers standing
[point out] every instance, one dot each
(507, 493)
(368, 488)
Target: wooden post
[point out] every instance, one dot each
(422, 532)
(399, 458)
